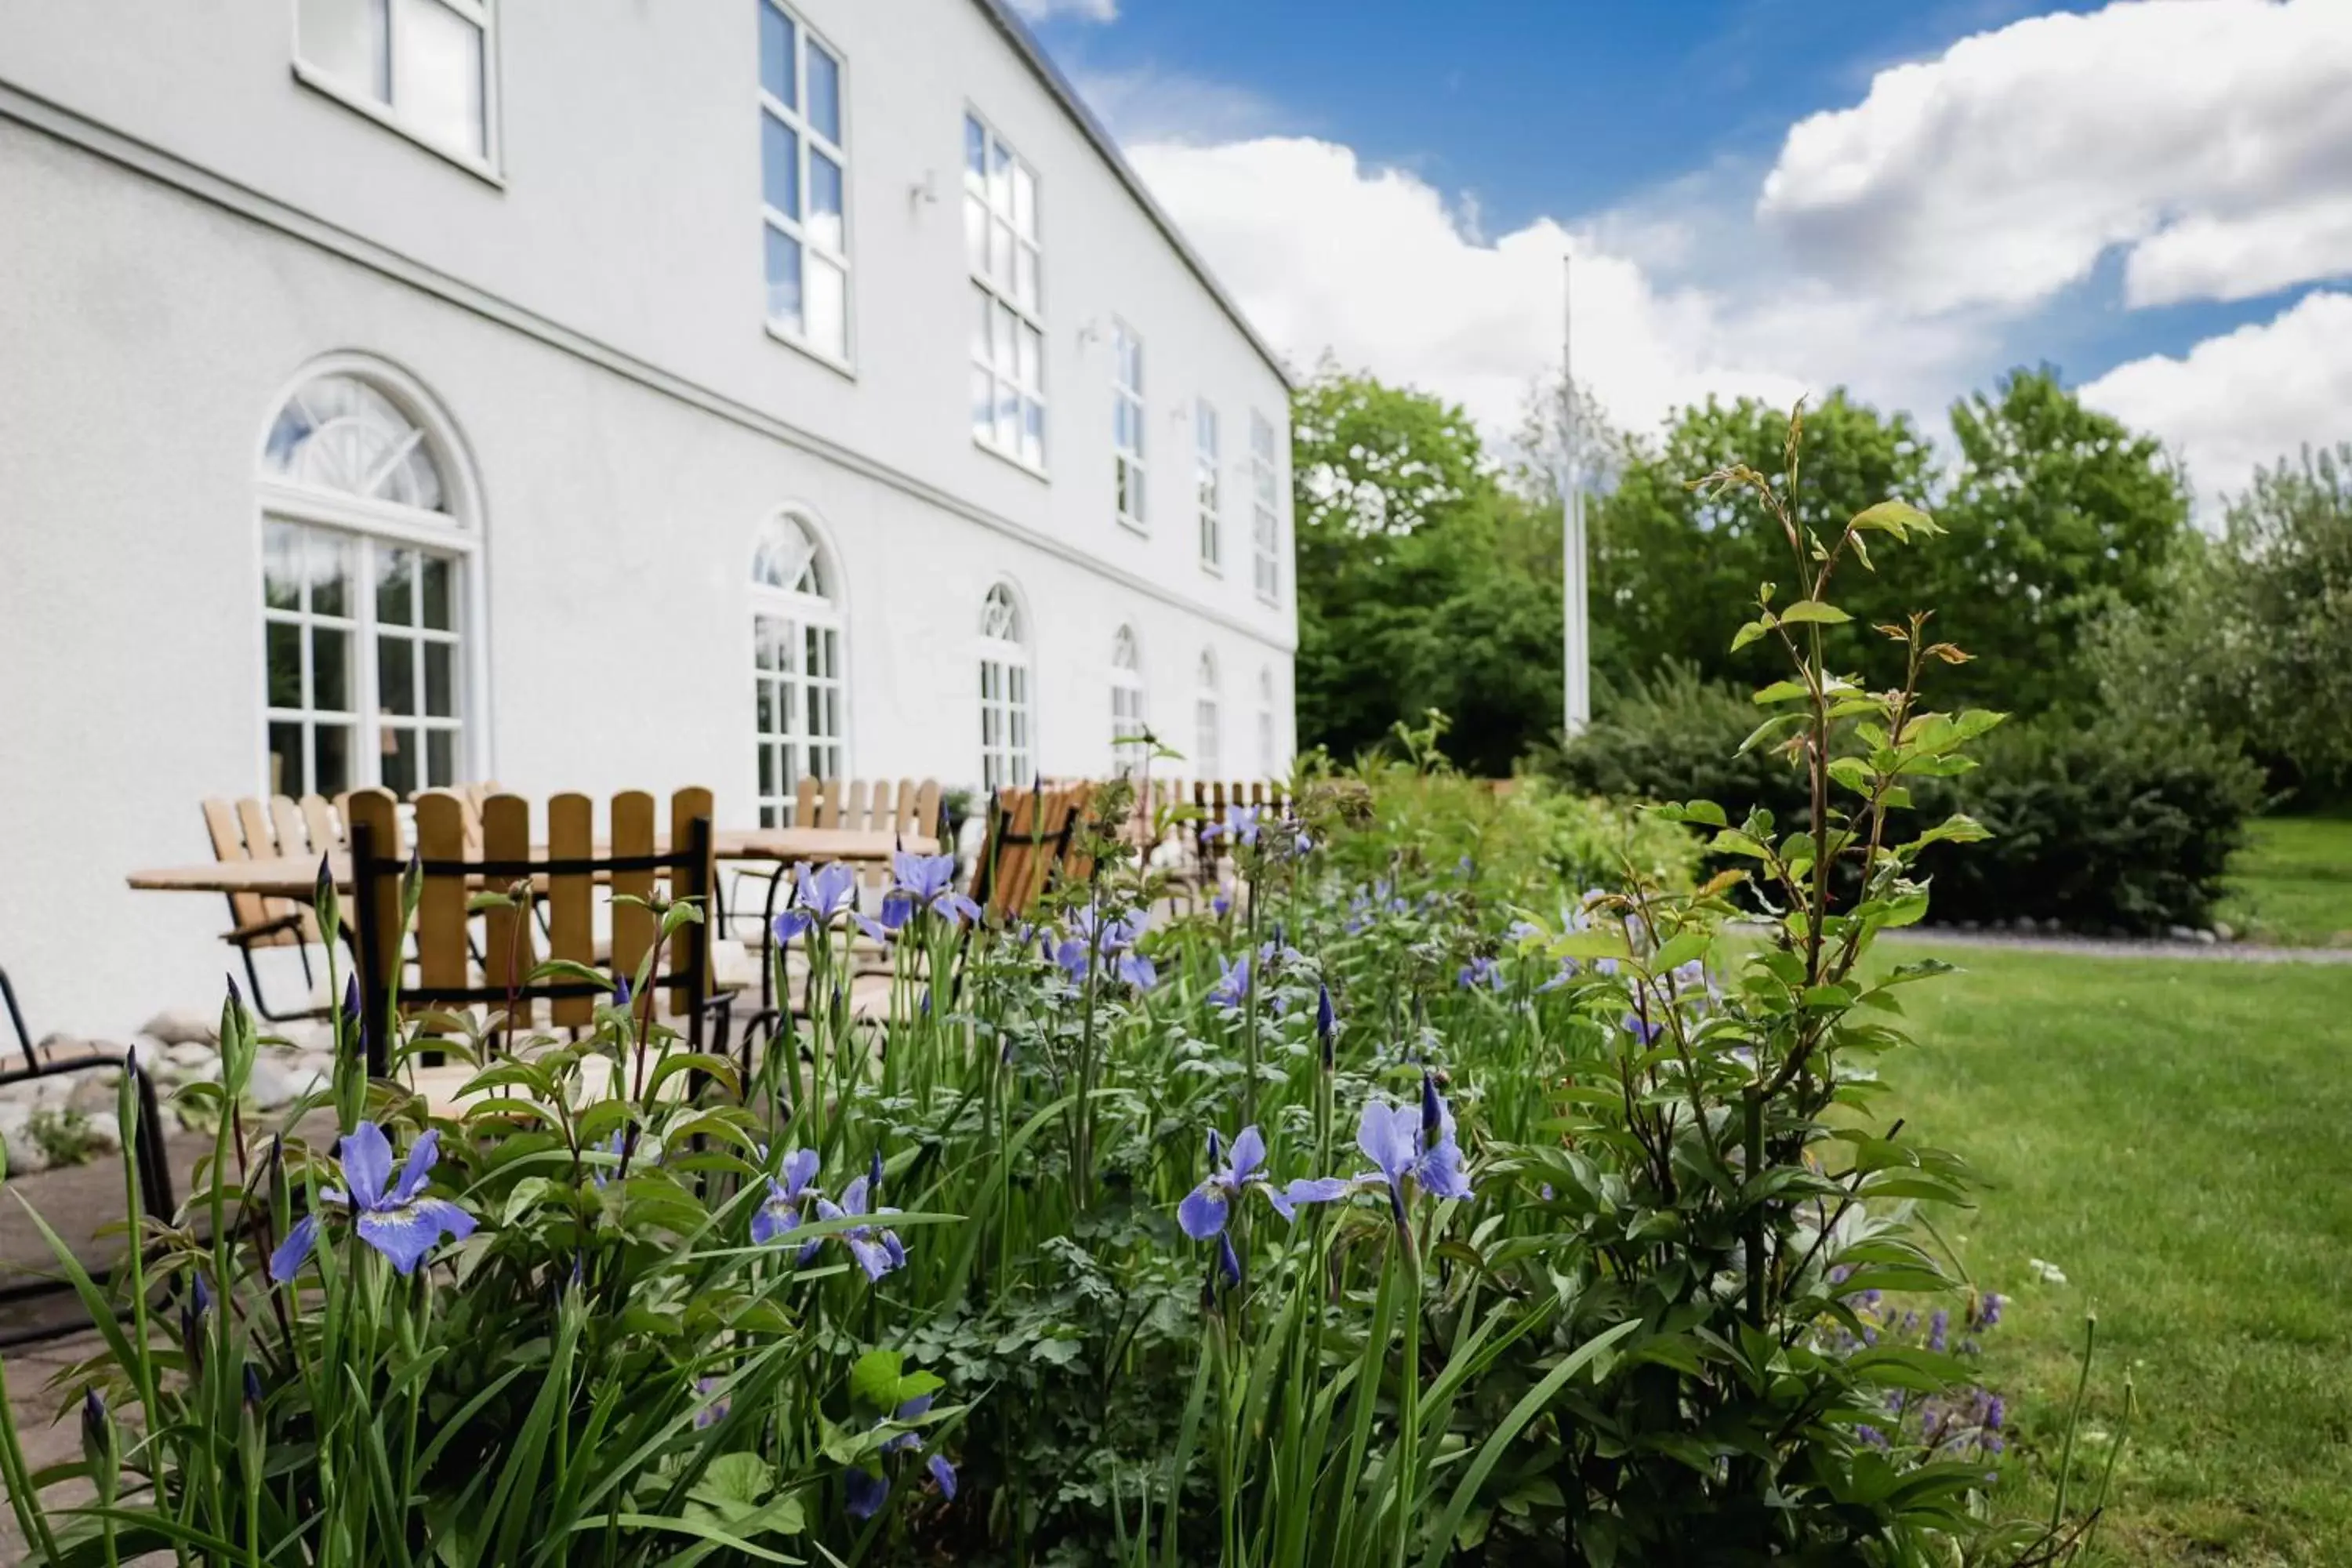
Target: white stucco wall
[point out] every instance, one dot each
(150, 318)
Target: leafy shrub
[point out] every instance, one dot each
(2106, 826)
(1405, 1207)
(2113, 825)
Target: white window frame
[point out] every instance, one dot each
(1008, 343)
(1008, 699)
(1131, 482)
(385, 112)
(1207, 486)
(1265, 510)
(367, 526)
(1208, 727)
(1129, 704)
(808, 601)
(809, 143)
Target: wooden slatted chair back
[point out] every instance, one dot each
(1028, 837)
(565, 873)
(249, 829)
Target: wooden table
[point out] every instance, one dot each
(297, 877)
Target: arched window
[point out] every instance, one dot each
(366, 551)
(1127, 747)
(1206, 752)
(1004, 712)
(795, 664)
(1268, 763)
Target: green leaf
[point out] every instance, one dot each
(1771, 729)
(1705, 811)
(1814, 611)
(874, 1380)
(1783, 691)
(1688, 945)
(732, 1482)
(1750, 631)
(1897, 518)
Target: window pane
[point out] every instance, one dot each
(440, 682)
(983, 311)
(436, 74)
(780, 166)
(825, 94)
(331, 759)
(1024, 276)
(1000, 253)
(396, 587)
(330, 670)
(285, 660)
(281, 567)
(824, 225)
(1024, 201)
(766, 694)
(346, 39)
(984, 404)
(1008, 416)
(827, 308)
(783, 277)
(440, 758)
(975, 154)
(1033, 432)
(396, 676)
(1000, 177)
(975, 234)
(329, 561)
(437, 573)
(776, 55)
(398, 751)
(286, 760)
(1032, 351)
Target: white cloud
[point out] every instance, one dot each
(1148, 105)
(2208, 138)
(1083, 10)
(2247, 398)
(1325, 252)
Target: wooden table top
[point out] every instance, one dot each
(295, 877)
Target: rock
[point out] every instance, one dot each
(314, 1070)
(191, 1055)
(94, 1091)
(2224, 932)
(25, 1155)
(270, 1083)
(2208, 937)
(1971, 925)
(105, 1131)
(14, 1114)
(182, 1026)
(146, 1051)
(307, 1033)
(2181, 934)
(52, 1092)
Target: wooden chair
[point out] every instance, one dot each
(565, 876)
(1029, 832)
(155, 1170)
(251, 829)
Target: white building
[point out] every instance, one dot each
(585, 395)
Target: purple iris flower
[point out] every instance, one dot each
(1940, 1329)
(1482, 974)
(928, 881)
(1988, 1314)
(1240, 825)
(1411, 1143)
(869, 1490)
(780, 1211)
(1642, 1028)
(1326, 1021)
(396, 1218)
(819, 896)
(1560, 976)
(1205, 1208)
(1233, 986)
(877, 1251)
(1113, 941)
(1522, 932)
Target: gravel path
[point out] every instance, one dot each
(2108, 947)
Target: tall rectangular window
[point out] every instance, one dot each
(1265, 514)
(1205, 483)
(1126, 422)
(1008, 321)
(803, 191)
(424, 65)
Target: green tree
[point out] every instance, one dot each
(2057, 516)
(1422, 583)
(1670, 562)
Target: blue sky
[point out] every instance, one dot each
(1771, 196)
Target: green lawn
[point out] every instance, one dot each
(2175, 1137)
(2292, 881)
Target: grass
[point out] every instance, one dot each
(2172, 1136)
(2292, 881)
